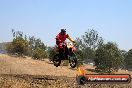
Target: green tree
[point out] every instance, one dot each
(37, 49)
(92, 40)
(124, 53)
(128, 59)
(88, 43)
(19, 45)
(108, 58)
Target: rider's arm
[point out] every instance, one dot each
(71, 39)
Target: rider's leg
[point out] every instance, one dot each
(66, 52)
(60, 48)
(61, 51)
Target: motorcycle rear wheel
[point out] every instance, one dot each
(57, 60)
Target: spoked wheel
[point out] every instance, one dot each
(73, 61)
(57, 60)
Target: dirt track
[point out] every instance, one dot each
(10, 65)
(28, 73)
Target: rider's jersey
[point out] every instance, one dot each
(62, 38)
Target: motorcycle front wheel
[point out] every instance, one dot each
(73, 61)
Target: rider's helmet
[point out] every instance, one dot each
(63, 31)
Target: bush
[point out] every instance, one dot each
(18, 47)
(39, 54)
(21, 46)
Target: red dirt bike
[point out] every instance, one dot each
(68, 54)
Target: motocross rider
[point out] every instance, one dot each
(60, 38)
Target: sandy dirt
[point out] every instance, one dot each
(11, 65)
(28, 73)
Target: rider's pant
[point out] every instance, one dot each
(63, 52)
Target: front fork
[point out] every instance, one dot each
(71, 57)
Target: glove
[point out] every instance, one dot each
(74, 42)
